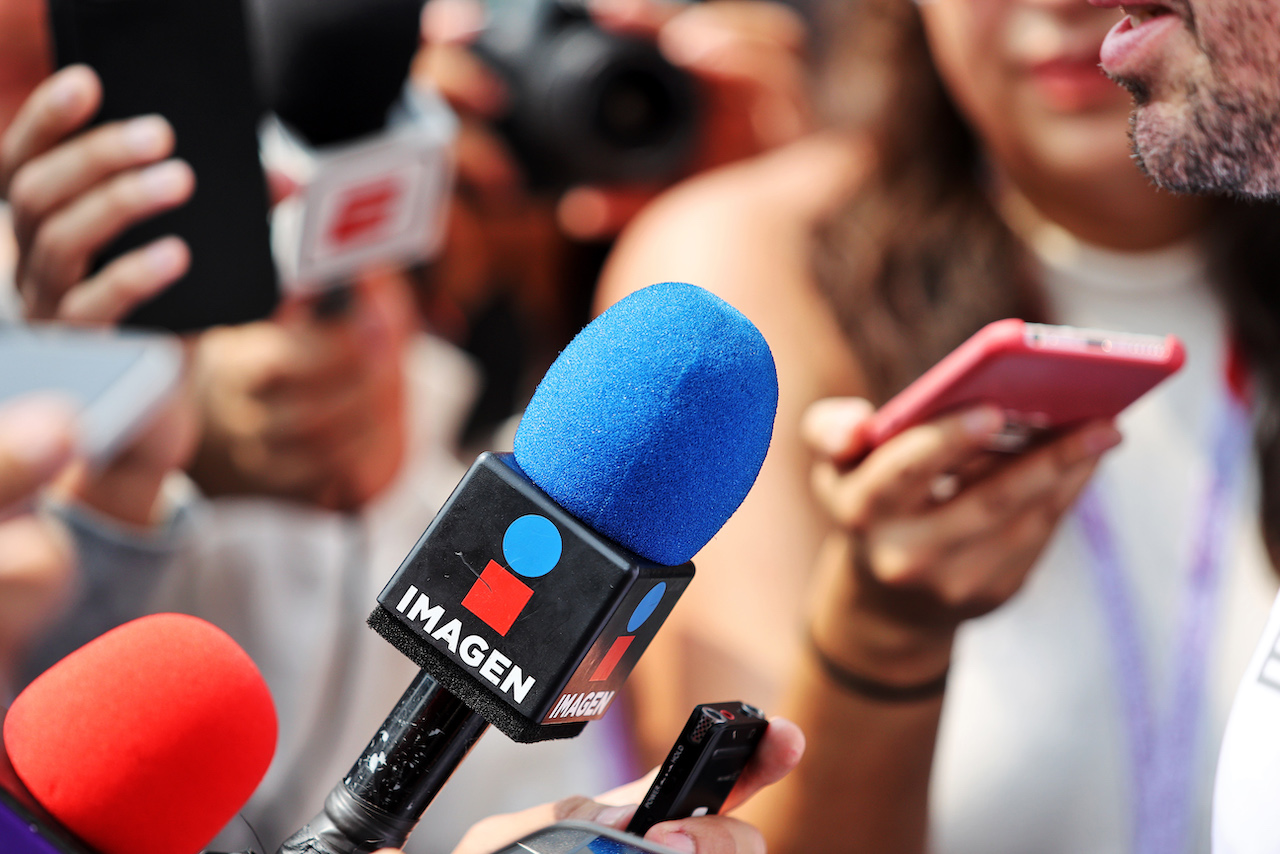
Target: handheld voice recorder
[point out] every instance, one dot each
(717, 742)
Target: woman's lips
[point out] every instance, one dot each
(1074, 84)
(1134, 40)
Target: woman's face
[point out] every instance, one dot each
(1025, 74)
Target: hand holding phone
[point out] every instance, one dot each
(934, 529)
(71, 191)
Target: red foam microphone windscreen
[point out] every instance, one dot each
(146, 740)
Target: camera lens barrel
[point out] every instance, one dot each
(589, 106)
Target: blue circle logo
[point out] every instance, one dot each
(647, 606)
(532, 546)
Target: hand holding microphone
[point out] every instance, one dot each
(303, 407)
(148, 740)
(370, 156)
(683, 366)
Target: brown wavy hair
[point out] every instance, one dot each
(918, 259)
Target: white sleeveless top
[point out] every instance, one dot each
(1035, 752)
(1247, 788)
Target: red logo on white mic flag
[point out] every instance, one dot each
(365, 211)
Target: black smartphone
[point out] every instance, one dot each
(580, 837)
(717, 742)
(189, 62)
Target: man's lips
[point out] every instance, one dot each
(1136, 36)
(1140, 13)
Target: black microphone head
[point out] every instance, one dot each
(331, 69)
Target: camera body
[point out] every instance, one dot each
(586, 106)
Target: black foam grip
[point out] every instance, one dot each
(463, 685)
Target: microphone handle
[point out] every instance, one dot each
(379, 802)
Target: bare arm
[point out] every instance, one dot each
(868, 792)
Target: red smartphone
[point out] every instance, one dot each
(1044, 377)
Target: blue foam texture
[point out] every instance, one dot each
(653, 423)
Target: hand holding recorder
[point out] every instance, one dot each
(702, 768)
(936, 528)
(780, 749)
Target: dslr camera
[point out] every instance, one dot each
(587, 106)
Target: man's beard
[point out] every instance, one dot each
(1225, 136)
(1223, 143)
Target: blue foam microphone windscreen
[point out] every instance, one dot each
(653, 423)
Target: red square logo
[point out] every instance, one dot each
(497, 597)
(611, 658)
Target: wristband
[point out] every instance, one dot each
(872, 689)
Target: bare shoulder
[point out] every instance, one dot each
(736, 229)
(745, 232)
